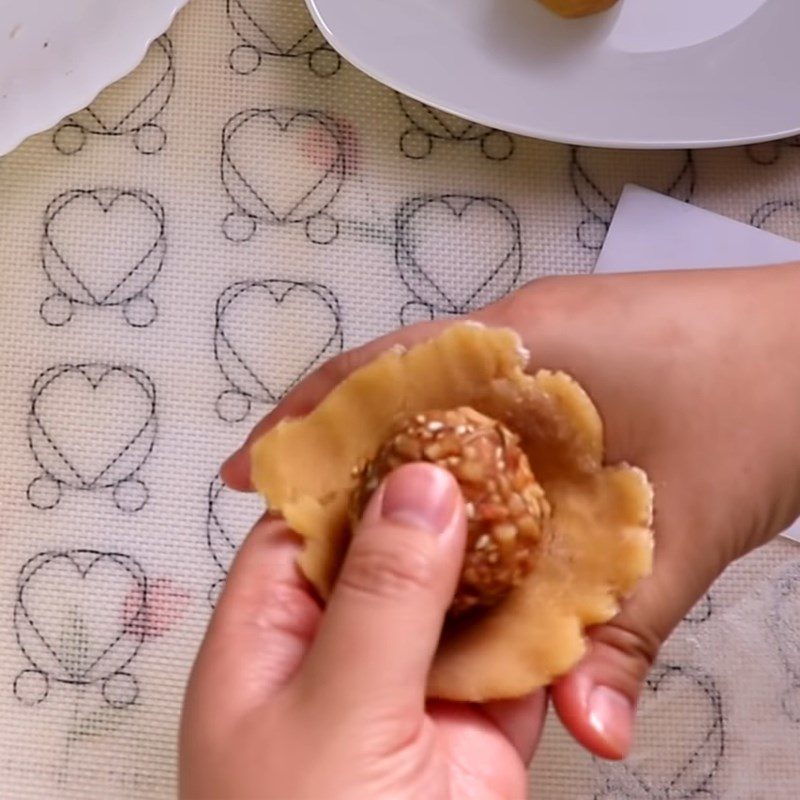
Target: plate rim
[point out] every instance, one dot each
(530, 132)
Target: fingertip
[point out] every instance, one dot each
(599, 718)
(235, 471)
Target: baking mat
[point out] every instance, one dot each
(174, 259)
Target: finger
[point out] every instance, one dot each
(235, 471)
(260, 630)
(520, 721)
(597, 700)
(377, 639)
(482, 762)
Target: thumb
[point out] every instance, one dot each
(597, 700)
(382, 625)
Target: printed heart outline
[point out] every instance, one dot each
(234, 180)
(222, 547)
(217, 539)
(435, 124)
(601, 208)
(41, 442)
(106, 199)
(141, 113)
(625, 781)
(83, 560)
(278, 289)
(786, 591)
(416, 278)
(252, 33)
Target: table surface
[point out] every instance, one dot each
(173, 260)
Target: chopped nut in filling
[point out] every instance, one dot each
(506, 508)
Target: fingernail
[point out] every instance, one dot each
(228, 462)
(611, 715)
(235, 471)
(421, 496)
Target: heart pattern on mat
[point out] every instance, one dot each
(69, 614)
(439, 123)
(103, 246)
(230, 517)
(266, 168)
(456, 253)
(278, 29)
(92, 425)
(136, 99)
(598, 177)
(272, 333)
(681, 767)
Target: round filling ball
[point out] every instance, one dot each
(505, 507)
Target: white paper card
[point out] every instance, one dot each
(652, 232)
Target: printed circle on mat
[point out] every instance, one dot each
(768, 153)
(414, 312)
(781, 217)
(244, 59)
(120, 690)
(238, 227)
(150, 139)
(131, 495)
(31, 687)
(324, 62)
(140, 311)
(69, 139)
(592, 233)
(56, 310)
(44, 492)
(497, 145)
(233, 406)
(415, 143)
(702, 611)
(322, 229)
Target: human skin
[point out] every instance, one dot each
(287, 703)
(696, 377)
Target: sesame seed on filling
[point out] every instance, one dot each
(505, 507)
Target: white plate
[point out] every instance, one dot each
(57, 55)
(647, 73)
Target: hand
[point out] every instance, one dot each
(288, 704)
(697, 378)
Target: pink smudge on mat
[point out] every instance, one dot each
(165, 606)
(322, 148)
